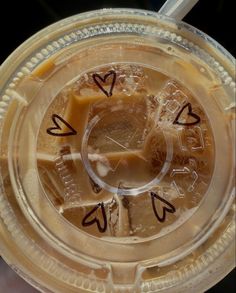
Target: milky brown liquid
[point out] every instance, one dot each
(142, 138)
(139, 164)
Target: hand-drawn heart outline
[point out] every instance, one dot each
(190, 113)
(97, 79)
(86, 222)
(50, 130)
(171, 208)
(96, 187)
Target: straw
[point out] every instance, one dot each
(177, 8)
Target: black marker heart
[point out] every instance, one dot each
(96, 188)
(90, 219)
(168, 207)
(100, 80)
(57, 130)
(190, 113)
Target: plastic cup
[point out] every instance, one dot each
(117, 156)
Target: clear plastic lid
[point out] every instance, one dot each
(117, 156)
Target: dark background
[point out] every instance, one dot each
(21, 19)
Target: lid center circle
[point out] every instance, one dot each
(116, 149)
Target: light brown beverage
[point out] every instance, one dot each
(117, 158)
(126, 148)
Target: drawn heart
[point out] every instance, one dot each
(101, 80)
(91, 218)
(96, 188)
(57, 130)
(167, 207)
(190, 113)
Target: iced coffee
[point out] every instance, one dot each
(117, 156)
(133, 152)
